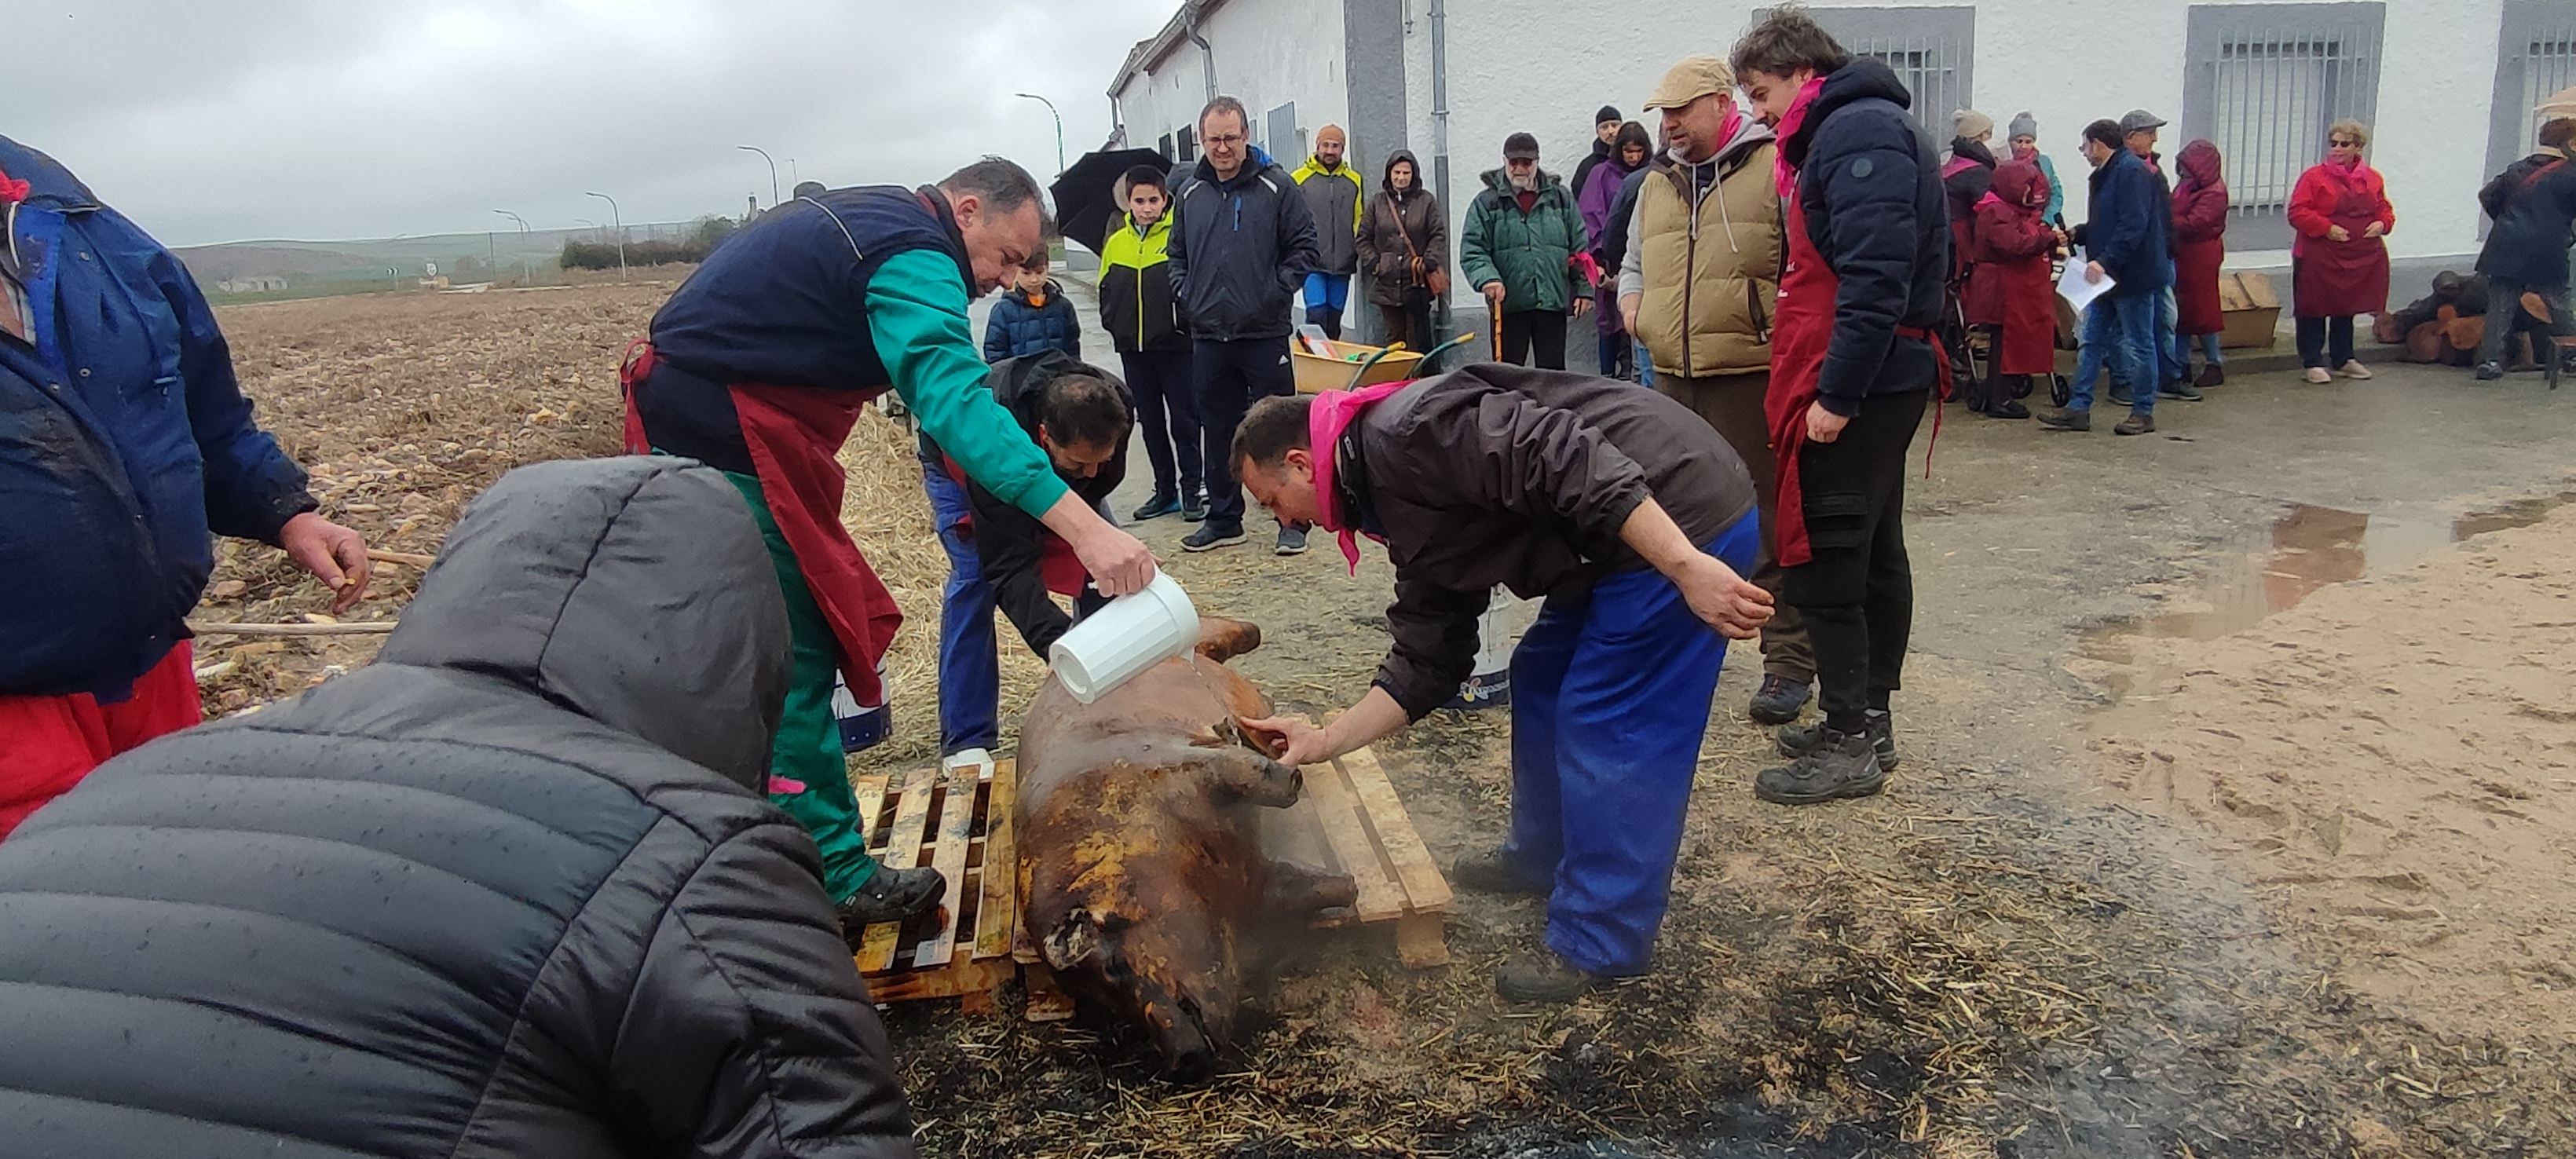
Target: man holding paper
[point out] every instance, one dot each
(2124, 240)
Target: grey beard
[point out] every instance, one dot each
(1524, 184)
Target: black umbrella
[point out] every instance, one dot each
(1084, 205)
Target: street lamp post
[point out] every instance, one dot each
(1059, 126)
(620, 220)
(773, 169)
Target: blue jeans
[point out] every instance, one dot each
(2119, 333)
(2208, 344)
(2171, 366)
(970, 671)
(1610, 699)
(1645, 366)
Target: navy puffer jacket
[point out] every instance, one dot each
(1018, 329)
(509, 891)
(1870, 189)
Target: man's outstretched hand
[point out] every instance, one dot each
(334, 554)
(1724, 600)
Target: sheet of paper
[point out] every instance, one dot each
(2078, 292)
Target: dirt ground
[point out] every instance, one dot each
(2066, 930)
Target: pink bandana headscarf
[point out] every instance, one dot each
(1333, 412)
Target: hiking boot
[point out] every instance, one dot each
(2136, 424)
(1194, 508)
(1842, 766)
(1292, 541)
(2352, 368)
(1212, 535)
(2181, 390)
(2067, 420)
(1778, 700)
(2007, 409)
(1157, 507)
(1805, 739)
(1497, 872)
(2489, 371)
(1541, 976)
(2211, 374)
(891, 895)
(2121, 395)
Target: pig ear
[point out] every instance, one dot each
(1081, 937)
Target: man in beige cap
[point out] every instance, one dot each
(1696, 287)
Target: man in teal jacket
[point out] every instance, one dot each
(758, 366)
(1519, 248)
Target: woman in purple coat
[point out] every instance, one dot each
(1599, 193)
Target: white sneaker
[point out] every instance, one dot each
(2317, 374)
(970, 763)
(2352, 368)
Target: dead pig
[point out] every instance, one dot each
(1142, 876)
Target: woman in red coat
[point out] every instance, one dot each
(2339, 264)
(2009, 287)
(2200, 247)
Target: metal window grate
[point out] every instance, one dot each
(2535, 58)
(1933, 51)
(2267, 80)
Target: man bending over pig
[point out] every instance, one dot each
(1636, 522)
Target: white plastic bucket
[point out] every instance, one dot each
(1131, 634)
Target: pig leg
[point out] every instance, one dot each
(1221, 639)
(1302, 891)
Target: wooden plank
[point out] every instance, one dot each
(999, 921)
(1424, 889)
(1422, 940)
(952, 982)
(1337, 806)
(902, 851)
(948, 855)
(870, 791)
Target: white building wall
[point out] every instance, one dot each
(1268, 53)
(1543, 66)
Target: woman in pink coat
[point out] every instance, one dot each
(2200, 248)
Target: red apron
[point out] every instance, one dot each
(2333, 278)
(794, 435)
(1801, 329)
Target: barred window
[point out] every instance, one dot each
(1931, 49)
(2263, 82)
(2535, 57)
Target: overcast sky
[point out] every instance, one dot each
(224, 120)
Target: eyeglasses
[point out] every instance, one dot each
(1234, 139)
(2343, 143)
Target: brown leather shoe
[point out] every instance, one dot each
(2135, 424)
(2211, 374)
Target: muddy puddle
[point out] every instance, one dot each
(2307, 549)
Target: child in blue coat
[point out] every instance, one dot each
(1035, 316)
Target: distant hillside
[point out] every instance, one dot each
(407, 256)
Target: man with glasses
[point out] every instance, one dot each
(1242, 243)
(758, 366)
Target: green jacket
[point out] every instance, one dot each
(1527, 252)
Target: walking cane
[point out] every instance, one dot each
(1494, 326)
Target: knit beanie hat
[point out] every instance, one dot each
(1607, 114)
(2023, 125)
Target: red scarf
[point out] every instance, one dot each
(1783, 170)
(1333, 413)
(2353, 177)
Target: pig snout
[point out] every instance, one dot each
(1180, 1037)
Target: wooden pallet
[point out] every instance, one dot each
(1351, 821)
(919, 818)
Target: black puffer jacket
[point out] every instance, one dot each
(506, 892)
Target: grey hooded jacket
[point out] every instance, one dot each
(509, 891)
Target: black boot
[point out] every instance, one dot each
(891, 895)
(1498, 873)
(1879, 727)
(1842, 765)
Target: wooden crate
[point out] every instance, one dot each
(921, 818)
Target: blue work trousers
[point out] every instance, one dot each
(970, 671)
(1610, 698)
